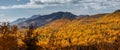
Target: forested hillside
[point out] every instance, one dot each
(86, 33)
(89, 32)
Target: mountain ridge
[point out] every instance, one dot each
(40, 20)
(44, 19)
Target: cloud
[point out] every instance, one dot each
(85, 4)
(1, 15)
(57, 1)
(31, 4)
(21, 6)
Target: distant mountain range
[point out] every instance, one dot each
(40, 20)
(16, 22)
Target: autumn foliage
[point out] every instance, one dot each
(87, 33)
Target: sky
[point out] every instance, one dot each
(11, 10)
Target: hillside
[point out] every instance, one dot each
(92, 32)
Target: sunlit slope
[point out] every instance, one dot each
(84, 32)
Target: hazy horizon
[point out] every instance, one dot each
(11, 10)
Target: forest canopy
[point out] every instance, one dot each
(77, 34)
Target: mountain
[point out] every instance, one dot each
(44, 19)
(40, 20)
(18, 21)
(104, 31)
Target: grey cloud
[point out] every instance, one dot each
(83, 4)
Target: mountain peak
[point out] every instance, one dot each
(44, 19)
(60, 12)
